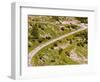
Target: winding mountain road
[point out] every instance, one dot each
(38, 48)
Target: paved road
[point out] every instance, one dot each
(34, 51)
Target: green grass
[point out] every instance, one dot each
(51, 29)
(81, 51)
(48, 56)
(54, 54)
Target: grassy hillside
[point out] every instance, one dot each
(69, 50)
